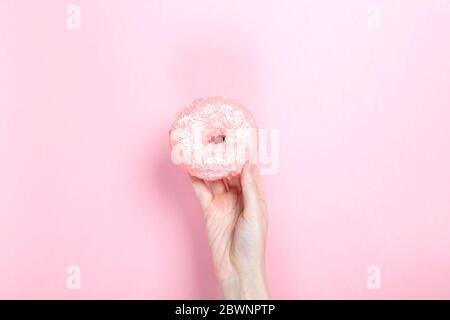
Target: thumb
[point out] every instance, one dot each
(252, 190)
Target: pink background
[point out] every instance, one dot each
(85, 169)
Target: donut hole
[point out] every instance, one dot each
(220, 138)
(214, 136)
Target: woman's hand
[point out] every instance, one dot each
(235, 214)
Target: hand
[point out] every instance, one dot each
(235, 214)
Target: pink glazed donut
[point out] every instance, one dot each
(213, 138)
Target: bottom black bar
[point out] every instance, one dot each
(205, 309)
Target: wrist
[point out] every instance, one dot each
(245, 286)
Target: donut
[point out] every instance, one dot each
(213, 138)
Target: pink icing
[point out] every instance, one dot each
(213, 138)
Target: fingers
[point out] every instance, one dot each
(252, 190)
(234, 182)
(206, 192)
(218, 187)
(202, 191)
